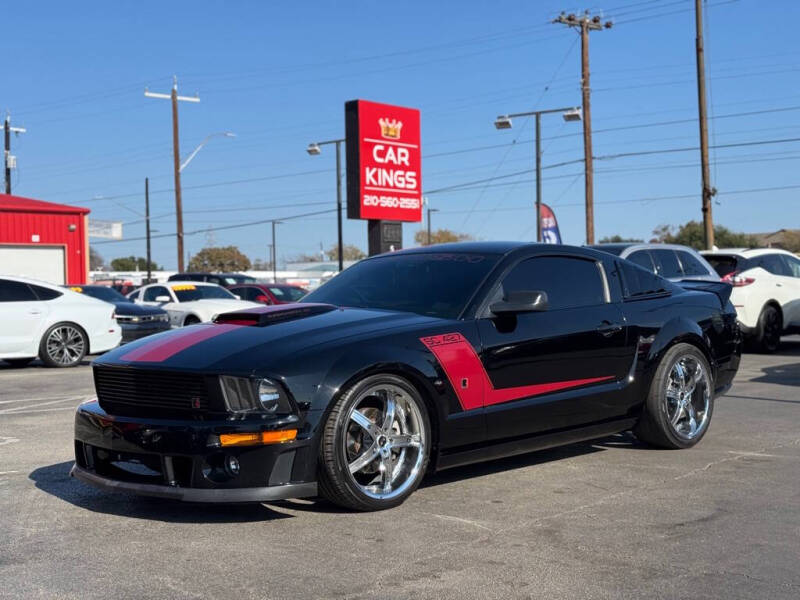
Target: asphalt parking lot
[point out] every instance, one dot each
(609, 519)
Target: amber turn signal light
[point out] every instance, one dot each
(252, 439)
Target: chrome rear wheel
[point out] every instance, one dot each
(64, 345)
(688, 397)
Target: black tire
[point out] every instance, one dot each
(191, 320)
(335, 482)
(73, 353)
(18, 363)
(654, 426)
(767, 336)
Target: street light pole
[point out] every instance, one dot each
(430, 210)
(314, 149)
(504, 122)
(274, 252)
(147, 224)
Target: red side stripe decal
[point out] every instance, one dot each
(469, 379)
(160, 350)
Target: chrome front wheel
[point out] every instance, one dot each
(375, 444)
(384, 441)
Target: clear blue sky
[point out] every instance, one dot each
(278, 74)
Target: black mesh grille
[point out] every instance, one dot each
(135, 392)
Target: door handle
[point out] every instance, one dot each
(34, 312)
(607, 328)
(779, 284)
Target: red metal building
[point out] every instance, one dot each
(43, 240)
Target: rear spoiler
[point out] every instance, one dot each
(720, 288)
(268, 315)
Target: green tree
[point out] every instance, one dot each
(618, 239)
(691, 234)
(228, 258)
(440, 236)
(133, 263)
(350, 252)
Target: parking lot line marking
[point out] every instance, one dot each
(28, 407)
(7, 440)
(8, 472)
(35, 410)
(31, 399)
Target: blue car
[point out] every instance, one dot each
(137, 321)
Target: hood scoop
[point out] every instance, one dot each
(269, 315)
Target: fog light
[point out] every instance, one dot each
(232, 466)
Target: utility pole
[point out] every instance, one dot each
(708, 191)
(274, 253)
(587, 24)
(8, 160)
(147, 224)
(174, 97)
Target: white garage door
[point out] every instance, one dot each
(38, 262)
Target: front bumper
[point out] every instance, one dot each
(136, 331)
(263, 494)
(172, 458)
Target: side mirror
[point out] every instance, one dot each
(520, 302)
(163, 299)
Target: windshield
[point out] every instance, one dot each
(435, 284)
(188, 292)
(101, 293)
(288, 294)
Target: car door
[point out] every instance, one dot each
(791, 282)
(21, 317)
(779, 284)
(545, 368)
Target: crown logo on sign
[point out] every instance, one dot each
(390, 128)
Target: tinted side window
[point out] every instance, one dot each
(15, 291)
(150, 294)
(642, 258)
(667, 264)
(773, 264)
(691, 266)
(793, 263)
(44, 293)
(638, 282)
(568, 282)
(725, 265)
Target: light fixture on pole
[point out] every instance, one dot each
(203, 143)
(315, 149)
(504, 122)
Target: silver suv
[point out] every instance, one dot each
(671, 261)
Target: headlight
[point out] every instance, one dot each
(260, 395)
(271, 397)
(162, 318)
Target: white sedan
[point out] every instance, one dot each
(766, 292)
(56, 324)
(189, 302)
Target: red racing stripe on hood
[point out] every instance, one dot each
(160, 350)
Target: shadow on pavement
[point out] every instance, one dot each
(55, 480)
(786, 374)
(38, 364)
(762, 399)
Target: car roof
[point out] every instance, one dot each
(30, 280)
(187, 282)
(746, 252)
(468, 247)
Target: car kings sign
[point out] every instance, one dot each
(384, 163)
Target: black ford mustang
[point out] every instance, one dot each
(405, 363)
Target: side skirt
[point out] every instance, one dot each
(456, 457)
